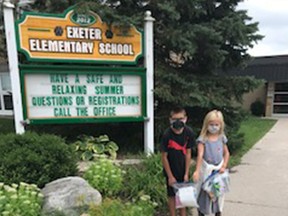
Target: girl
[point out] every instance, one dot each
(213, 155)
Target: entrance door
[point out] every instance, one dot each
(280, 102)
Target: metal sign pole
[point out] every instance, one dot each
(149, 64)
(13, 65)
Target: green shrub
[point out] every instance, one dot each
(235, 141)
(34, 158)
(94, 147)
(20, 200)
(109, 207)
(7, 125)
(233, 118)
(142, 207)
(257, 108)
(105, 177)
(146, 178)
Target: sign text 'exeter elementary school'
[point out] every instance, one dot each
(77, 37)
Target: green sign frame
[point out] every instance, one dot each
(77, 69)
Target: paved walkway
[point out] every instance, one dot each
(259, 187)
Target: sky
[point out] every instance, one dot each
(272, 16)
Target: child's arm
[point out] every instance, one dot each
(187, 165)
(200, 150)
(226, 156)
(171, 178)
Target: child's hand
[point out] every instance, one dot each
(186, 178)
(222, 169)
(195, 176)
(171, 181)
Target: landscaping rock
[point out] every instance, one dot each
(69, 195)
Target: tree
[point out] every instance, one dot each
(52, 6)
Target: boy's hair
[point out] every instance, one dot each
(212, 116)
(177, 110)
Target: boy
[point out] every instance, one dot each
(175, 150)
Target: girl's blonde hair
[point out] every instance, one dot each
(214, 115)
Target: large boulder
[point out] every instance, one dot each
(69, 195)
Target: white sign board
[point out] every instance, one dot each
(62, 95)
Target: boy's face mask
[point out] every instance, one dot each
(177, 124)
(213, 128)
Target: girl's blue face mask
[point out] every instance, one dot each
(213, 128)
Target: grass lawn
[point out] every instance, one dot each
(254, 129)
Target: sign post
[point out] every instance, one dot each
(13, 65)
(149, 64)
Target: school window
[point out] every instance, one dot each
(280, 102)
(6, 104)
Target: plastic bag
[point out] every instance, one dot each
(185, 195)
(217, 184)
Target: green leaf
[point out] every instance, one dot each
(112, 145)
(87, 155)
(82, 146)
(77, 147)
(104, 138)
(113, 154)
(98, 148)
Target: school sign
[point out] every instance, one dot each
(74, 37)
(76, 70)
(63, 94)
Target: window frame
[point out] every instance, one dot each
(3, 93)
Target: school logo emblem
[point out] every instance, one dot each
(83, 19)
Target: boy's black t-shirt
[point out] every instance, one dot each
(175, 145)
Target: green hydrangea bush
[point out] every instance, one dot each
(105, 176)
(20, 200)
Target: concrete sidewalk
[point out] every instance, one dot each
(259, 187)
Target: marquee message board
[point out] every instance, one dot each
(73, 37)
(70, 94)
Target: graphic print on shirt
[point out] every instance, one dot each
(174, 145)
